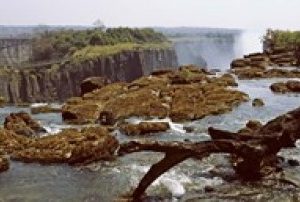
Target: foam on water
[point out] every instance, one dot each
(174, 126)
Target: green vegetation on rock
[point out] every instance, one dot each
(282, 38)
(92, 52)
(67, 43)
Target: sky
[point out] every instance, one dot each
(247, 14)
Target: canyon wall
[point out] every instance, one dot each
(61, 81)
(14, 51)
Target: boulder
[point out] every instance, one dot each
(93, 83)
(293, 86)
(2, 101)
(251, 126)
(257, 102)
(22, 124)
(288, 87)
(4, 164)
(144, 128)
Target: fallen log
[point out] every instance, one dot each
(254, 153)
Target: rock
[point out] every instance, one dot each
(293, 86)
(59, 82)
(22, 124)
(208, 188)
(93, 83)
(72, 146)
(279, 87)
(256, 65)
(293, 162)
(44, 109)
(257, 102)
(144, 128)
(239, 63)
(188, 129)
(2, 101)
(186, 94)
(253, 125)
(288, 87)
(4, 164)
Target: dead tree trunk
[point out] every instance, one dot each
(254, 151)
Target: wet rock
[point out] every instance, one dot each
(4, 164)
(208, 189)
(185, 94)
(254, 125)
(22, 124)
(2, 101)
(93, 83)
(288, 87)
(293, 86)
(257, 102)
(144, 128)
(293, 162)
(240, 63)
(70, 146)
(44, 109)
(279, 87)
(188, 129)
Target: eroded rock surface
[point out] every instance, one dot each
(93, 83)
(187, 94)
(22, 124)
(286, 87)
(70, 146)
(258, 65)
(144, 128)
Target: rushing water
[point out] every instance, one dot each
(105, 181)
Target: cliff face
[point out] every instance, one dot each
(59, 82)
(14, 51)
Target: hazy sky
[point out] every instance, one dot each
(253, 14)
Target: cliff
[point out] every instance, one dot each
(59, 82)
(14, 51)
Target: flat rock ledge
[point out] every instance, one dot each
(71, 146)
(291, 86)
(186, 94)
(267, 65)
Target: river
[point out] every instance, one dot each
(106, 181)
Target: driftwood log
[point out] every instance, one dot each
(254, 152)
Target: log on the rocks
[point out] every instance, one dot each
(255, 152)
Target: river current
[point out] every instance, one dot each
(106, 181)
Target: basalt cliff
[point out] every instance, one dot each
(60, 81)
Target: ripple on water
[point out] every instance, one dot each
(104, 182)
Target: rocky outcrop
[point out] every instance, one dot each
(287, 87)
(144, 128)
(187, 94)
(61, 81)
(22, 124)
(71, 146)
(267, 65)
(93, 83)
